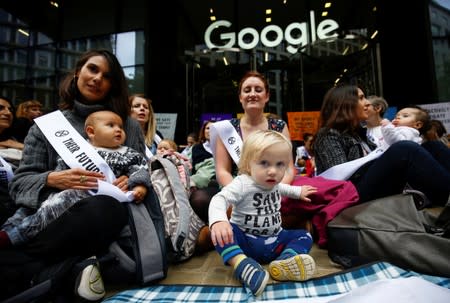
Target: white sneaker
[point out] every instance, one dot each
(297, 268)
(89, 283)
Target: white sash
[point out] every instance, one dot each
(345, 170)
(157, 139)
(77, 152)
(229, 136)
(148, 152)
(6, 172)
(207, 147)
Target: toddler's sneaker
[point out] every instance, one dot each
(89, 283)
(253, 275)
(296, 268)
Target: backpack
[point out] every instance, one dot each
(390, 229)
(183, 166)
(138, 256)
(181, 223)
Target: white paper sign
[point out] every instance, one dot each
(166, 124)
(439, 111)
(105, 188)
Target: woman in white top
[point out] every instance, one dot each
(376, 107)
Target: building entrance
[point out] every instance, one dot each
(297, 81)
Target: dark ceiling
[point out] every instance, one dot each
(38, 14)
(42, 16)
(350, 14)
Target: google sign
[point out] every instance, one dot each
(296, 34)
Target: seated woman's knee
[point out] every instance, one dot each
(106, 208)
(403, 148)
(405, 144)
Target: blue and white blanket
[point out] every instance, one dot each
(335, 284)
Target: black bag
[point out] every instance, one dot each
(389, 229)
(139, 255)
(24, 279)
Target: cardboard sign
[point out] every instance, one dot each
(302, 122)
(166, 124)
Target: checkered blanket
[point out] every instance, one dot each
(334, 284)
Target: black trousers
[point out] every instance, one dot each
(405, 162)
(86, 229)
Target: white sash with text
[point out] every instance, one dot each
(78, 153)
(229, 136)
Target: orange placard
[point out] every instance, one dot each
(302, 122)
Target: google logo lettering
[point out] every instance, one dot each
(296, 34)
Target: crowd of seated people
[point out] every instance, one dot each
(346, 133)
